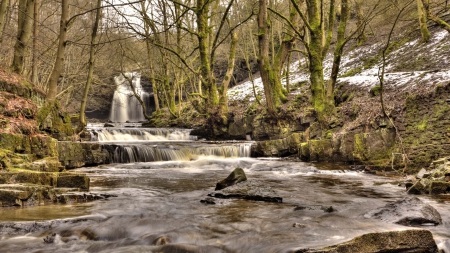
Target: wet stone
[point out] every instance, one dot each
(248, 190)
(418, 241)
(209, 201)
(327, 209)
(238, 175)
(409, 211)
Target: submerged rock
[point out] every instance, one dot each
(409, 211)
(187, 248)
(238, 175)
(327, 209)
(249, 190)
(412, 241)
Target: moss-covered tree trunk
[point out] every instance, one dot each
(52, 86)
(444, 25)
(209, 85)
(270, 71)
(320, 39)
(423, 21)
(24, 32)
(91, 62)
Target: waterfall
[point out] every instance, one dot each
(145, 153)
(141, 134)
(125, 106)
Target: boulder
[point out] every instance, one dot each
(238, 175)
(410, 211)
(412, 241)
(249, 190)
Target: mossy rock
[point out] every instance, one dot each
(238, 175)
(320, 150)
(304, 151)
(14, 143)
(52, 120)
(20, 176)
(439, 187)
(48, 164)
(71, 180)
(44, 146)
(12, 197)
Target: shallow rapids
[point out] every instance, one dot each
(159, 202)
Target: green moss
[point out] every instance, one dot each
(26, 83)
(375, 91)
(353, 71)
(422, 126)
(360, 148)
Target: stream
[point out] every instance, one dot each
(159, 178)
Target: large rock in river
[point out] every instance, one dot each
(238, 175)
(249, 190)
(410, 211)
(411, 241)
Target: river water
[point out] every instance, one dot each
(158, 202)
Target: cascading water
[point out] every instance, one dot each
(118, 134)
(136, 144)
(125, 106)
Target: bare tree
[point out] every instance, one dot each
(24, 31)
(91, 62)
(3, 10)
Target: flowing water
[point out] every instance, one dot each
(125, 106)
(158, 202)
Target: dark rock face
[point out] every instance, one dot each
(409, 211)
(249, 190)
(411, 241)
(78, 154)
(238, 175)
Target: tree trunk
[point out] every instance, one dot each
(3, 10)
(315, 55)
(209, 85)
(362, 37)
(338, 50)
(59, 62)
(444, 25)
(149, 55)
(91, 62)
(24, 31)
(34, 65)
(228, 75)
(317, 47)
(270, 73)
(423, 21)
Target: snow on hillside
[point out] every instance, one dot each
(425, 64)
